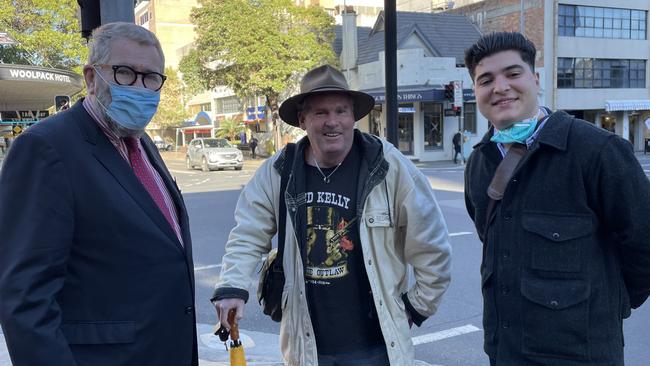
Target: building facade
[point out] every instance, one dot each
(596, 55)
(427, 61)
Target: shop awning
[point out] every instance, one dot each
(417, 93)
(627, 105)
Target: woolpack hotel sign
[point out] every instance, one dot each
(34, 75)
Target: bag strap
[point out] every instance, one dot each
(289, 152)
(502, 176)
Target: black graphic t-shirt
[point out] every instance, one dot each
(338, 292)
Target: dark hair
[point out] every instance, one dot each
(496, 42)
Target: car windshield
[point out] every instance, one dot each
(216, 143)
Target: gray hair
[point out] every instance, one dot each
(107, 33)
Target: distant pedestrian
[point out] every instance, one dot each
(457, 142)
(253, 146)
(562, 210)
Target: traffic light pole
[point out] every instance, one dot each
(390, 68)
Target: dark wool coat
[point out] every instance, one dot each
(567, 253)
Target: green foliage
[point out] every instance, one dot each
(170, 110)
(47, 32)
(230, 129)
(257, 47)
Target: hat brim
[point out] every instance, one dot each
(362, 102)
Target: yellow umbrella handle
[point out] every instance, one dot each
(234, 328)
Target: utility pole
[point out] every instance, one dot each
(390, 68)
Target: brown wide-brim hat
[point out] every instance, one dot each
(322, 80)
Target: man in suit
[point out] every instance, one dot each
(95, 250)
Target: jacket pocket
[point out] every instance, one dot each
(378, 219)
(555, 318)
(557, 241)
(108, 332)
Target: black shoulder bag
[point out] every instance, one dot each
(271, 285)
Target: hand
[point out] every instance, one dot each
(224, 306)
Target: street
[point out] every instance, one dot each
(452, 337)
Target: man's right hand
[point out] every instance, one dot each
(224, 306)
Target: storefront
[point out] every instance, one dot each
(426, 121)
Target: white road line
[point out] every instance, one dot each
(461, 233)
(443, 334)
(201, 268)
(182, 171)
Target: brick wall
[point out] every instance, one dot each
(503, 15)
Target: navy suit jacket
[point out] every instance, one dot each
(91, 273)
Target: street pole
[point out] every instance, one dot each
(390, 68)
(522, 22)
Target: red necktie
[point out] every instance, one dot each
(146, 176)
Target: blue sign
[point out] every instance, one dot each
(424, 95)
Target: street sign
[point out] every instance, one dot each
(458, 93)
(17, 130)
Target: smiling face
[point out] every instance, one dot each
(328, 120)
(506, 89)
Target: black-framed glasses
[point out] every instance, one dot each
(125, 75)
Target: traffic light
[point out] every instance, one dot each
(449, 92)
(61, 102)
(90, 16)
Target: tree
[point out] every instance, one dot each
(171, 112)
(256, 47)
(230, 128)
(46, 32)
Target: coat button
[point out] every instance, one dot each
(505, 254)
(370, 262)
(556, 236)
(189, 310)
(554, 303)
(392, 344)
(505, 324)
(371, 220)
(505, 290)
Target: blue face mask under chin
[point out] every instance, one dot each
(518, 132)
(131, 107)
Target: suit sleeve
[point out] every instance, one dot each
(426, 247)
(624, 196)
(36, 231)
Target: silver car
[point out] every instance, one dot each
(211, 153)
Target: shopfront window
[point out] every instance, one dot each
(375, 122)
(469, 117)
(433, 126)
(405, 128)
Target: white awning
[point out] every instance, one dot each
(627, 105)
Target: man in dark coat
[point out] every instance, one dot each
(566, 253)
(456, 141)
(95, 250)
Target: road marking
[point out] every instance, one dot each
(182, 172)
(443, 334)
(461, 233)
(201, 268)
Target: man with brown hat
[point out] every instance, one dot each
(358, 215)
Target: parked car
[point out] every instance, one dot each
(162, 144)
(212, 153)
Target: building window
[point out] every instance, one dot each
(228, 105)
(469, 117)
(597, 22)
(144, 18)
(600, 73)
(206, 107)
(433, 126)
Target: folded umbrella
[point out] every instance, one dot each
(237, 357)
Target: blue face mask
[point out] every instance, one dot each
(518, 132)
(131, 107)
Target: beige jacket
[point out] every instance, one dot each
(400, 225)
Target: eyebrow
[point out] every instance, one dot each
(505, 69)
